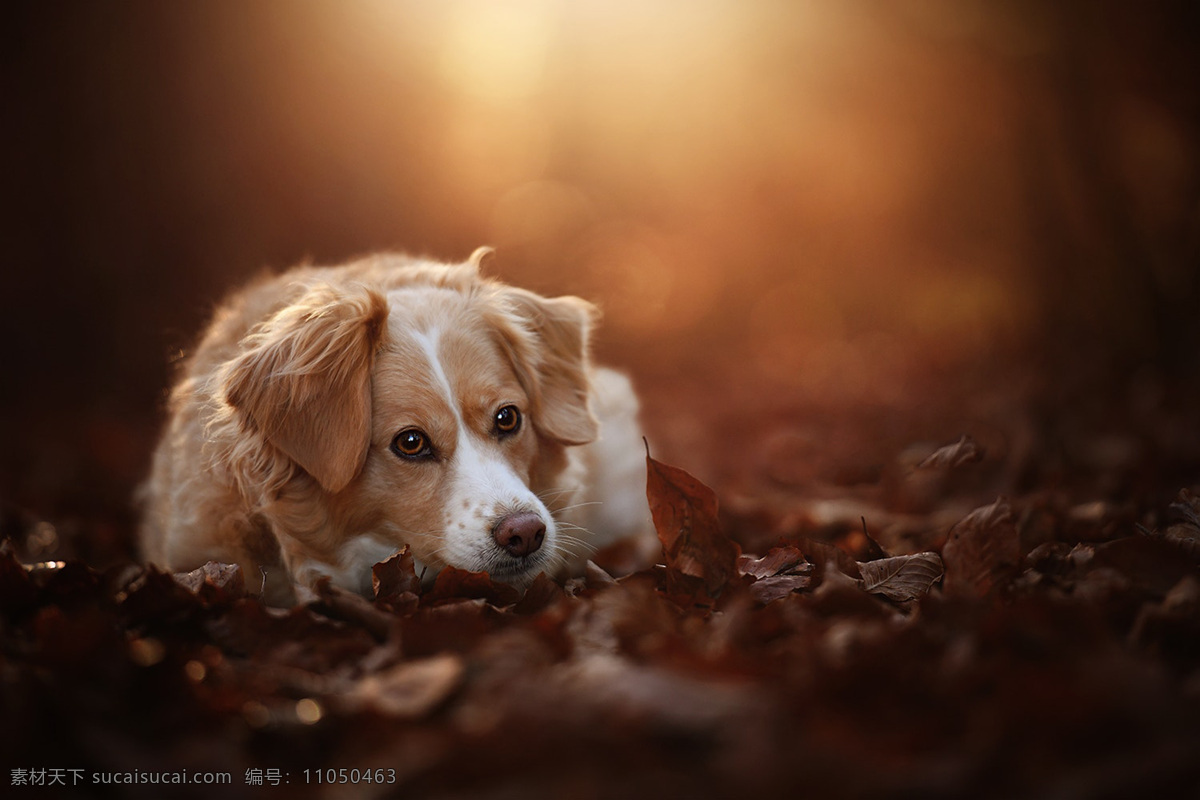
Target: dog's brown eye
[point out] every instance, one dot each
(508, 420)
(411, 443)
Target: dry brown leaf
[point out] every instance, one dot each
(823, 554)
(1187, 508)
(776, 586)
(983, 551)
(410, 689)
(779, 560)
(338, 603)
(158, 596)
(223, 579)
(1184, 530)
(780, 572)
(395, 578)
(598, 576)
(965, 451)
(539, 595)
(458, 584)
(685, 517)
(901, 578)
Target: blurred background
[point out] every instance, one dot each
(855, 221)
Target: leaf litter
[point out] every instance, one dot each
(1024, 649)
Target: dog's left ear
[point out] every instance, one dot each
(548, 345)
(303, 380)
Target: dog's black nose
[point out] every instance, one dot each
(520, 534)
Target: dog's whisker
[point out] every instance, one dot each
(558, 490)
(574, 506)
(570, 526)
(581, 542)
(573, 540)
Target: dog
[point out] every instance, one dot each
(331, 416)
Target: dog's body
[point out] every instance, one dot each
(331, 416)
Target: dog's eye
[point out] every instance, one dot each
(411, 443)
(508, 420)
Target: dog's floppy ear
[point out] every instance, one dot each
(547, 340)
(303, 379)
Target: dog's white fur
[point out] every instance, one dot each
(278, 454)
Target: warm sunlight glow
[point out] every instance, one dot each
(794, 178)
(498, 50)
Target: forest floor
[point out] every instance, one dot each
(956, 587)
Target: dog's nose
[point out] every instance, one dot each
(520, 534)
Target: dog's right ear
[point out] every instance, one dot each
(547, 341)
(303, 380)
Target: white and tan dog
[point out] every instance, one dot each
(330, 416)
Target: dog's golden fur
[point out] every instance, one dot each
(278, 454)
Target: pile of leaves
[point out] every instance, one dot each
(816, 666)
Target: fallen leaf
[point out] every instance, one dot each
(685, 517)
(300, 638)
(822, 554)
(874, 551)
(156, 598)
(901, 578)
(541, 594)
(839, 595)
(775, 587)
(1186, 508)
(450, 625)
(688, 708)
(337, 603)
(396, 578)
(1184, 528)
(965, 451)
(635, 618)
(411, 689)
(777, 561)
(780, 572)
(598, 576)
(214, 582)
(460, 584)
(982, 552)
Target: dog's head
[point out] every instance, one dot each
(433, 413)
